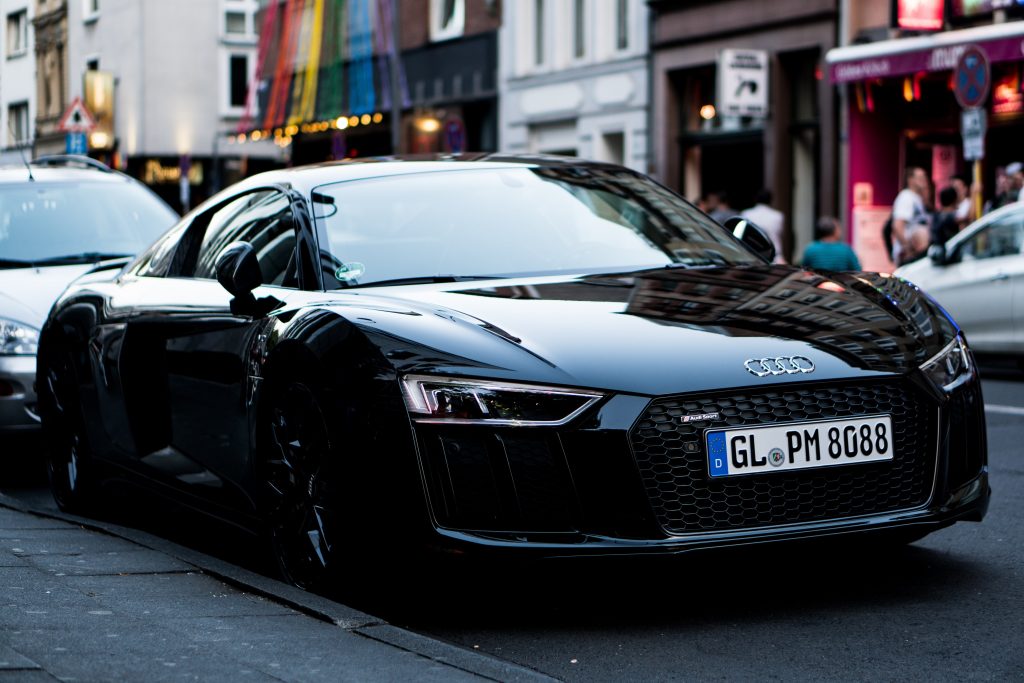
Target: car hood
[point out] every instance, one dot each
(657, 331)
(26, 294)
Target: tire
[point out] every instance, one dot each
(69, 463)
(303, 477)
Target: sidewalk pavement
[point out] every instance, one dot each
(88, 601)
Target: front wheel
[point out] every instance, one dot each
(68, 461)
(303, 478)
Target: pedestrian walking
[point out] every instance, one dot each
(946, 222)
(718, 207)
(1016, 173)
(911, 224)
(769, 219)
(828, 251)
(964, 200)
(1004, 191)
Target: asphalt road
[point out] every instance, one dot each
(949, 607)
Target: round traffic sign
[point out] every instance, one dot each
(972, 77)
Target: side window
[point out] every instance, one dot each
(264, 220)
(1002, 238)
(156, 260)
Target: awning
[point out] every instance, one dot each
(939, 52)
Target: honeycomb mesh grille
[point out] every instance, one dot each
(673, 463)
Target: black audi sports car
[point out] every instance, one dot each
(510, 355)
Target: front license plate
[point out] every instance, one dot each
(777, 448)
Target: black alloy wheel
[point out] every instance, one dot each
(302, 475)
(68, 462)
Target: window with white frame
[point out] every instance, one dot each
(90, 10)
(621, 25)
(235, 23)
(447, 19)
(17, 118)
(539, 55)
(17, 33)
(579, 29)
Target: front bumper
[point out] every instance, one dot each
(18, 399)
(585, 491)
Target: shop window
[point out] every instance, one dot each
(621, 24)
(447, 19)
(579, 32)
(17, 117)
(238, 80)
(17, 33)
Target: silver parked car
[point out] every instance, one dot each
(978, 277)
(60, 217)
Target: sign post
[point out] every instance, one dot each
(77, 122)
(743, 83)
(972, 80)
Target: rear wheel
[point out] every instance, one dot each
(68, 462)
(304, 480)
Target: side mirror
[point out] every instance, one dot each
(752, 236)
(238, 269)
(937, 253)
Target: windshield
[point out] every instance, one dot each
(44, 223)
(518, 221)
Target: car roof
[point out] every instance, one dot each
(988, 218)
(55, 174)
(308, 177)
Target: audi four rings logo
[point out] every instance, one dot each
(783, 365)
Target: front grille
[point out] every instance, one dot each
(673, 463)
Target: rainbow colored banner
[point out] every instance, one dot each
(319, 60)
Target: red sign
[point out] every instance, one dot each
(920, 15)
(972, 77)
(76, 118)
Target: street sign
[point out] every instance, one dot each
(972, 128)
(743, 83)
(76, 118)
(76, 143)
(972, 77)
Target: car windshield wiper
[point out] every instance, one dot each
(84, 257)
(422, 280)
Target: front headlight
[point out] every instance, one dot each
(950, 367)
(469, 401)
(18, 339)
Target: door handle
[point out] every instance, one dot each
(1000, 277)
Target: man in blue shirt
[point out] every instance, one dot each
(828, 251)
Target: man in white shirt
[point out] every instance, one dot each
(910, 219)
(768, 219)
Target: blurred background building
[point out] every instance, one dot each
(17, 80)
(166, 82)
(574, 79)
(894, 73)
(822, 102)
(762, 117)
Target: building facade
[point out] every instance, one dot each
(894, 76)
(167, 83)
(574, 79)
(782, 139)
(50, 26)
(353, 78)
(17, 81)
